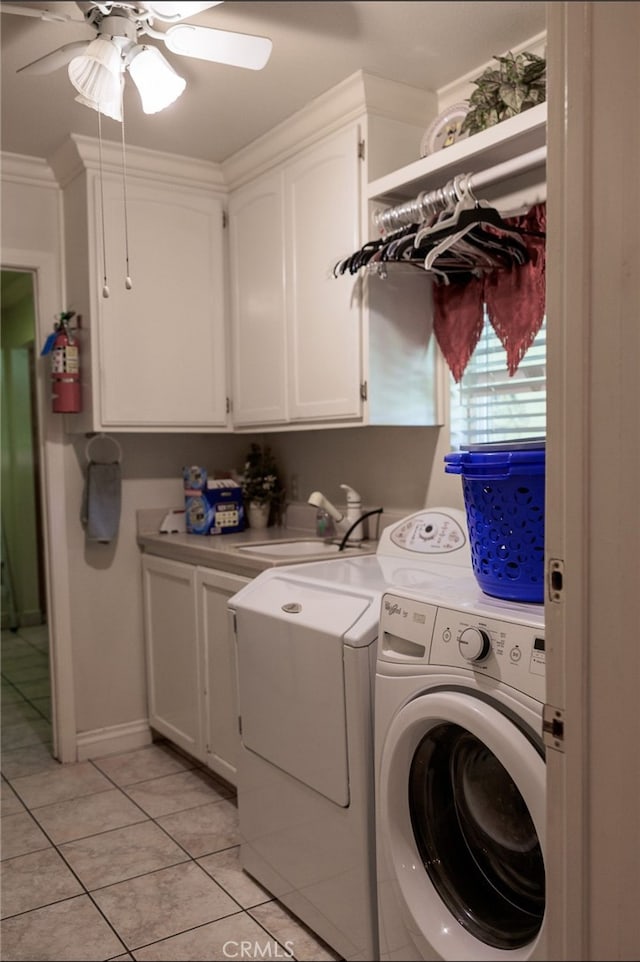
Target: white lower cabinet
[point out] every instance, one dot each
(213, 590)
(191, 680)
(175, 657)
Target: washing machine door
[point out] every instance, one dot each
(462, 819)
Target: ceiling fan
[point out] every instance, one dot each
(97, 66)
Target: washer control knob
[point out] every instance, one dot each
(474, 644)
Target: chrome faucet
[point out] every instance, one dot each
(319, 501)
(354, 516)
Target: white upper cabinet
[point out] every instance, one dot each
(153, 358)
(258, 322)
(322, 217)
(296, 338)
(311, 348)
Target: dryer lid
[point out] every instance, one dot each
(301, 603)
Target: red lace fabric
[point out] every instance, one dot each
(458, 319)
(514, 298)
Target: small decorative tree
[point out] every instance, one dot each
(262, 483)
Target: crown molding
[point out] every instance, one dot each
(79, 153)
(345, 102)
(29, 171)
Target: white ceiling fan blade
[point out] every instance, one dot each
(54, 60)
(219, 46)
(175, 11)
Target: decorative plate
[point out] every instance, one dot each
(445, 129)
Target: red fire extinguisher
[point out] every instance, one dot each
(65, 367)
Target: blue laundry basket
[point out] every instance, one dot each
(503, 486)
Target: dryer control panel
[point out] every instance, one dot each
(509, 651)
(438, 532)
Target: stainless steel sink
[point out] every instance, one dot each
(290, 549)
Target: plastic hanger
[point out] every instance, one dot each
(482, 251)
(468, 214)
(450, 219)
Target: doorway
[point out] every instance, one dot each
(24, 651)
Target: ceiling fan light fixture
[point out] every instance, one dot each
(109, 108)
(219, 46)
(97, 74)
(157, 82)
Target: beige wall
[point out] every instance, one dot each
(397, 468)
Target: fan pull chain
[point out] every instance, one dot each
(127, 281)
(105, 287)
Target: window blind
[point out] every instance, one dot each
(488, 405)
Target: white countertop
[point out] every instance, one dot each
(221, 551)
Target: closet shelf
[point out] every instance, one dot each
(502, 142)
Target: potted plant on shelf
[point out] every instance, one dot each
(518, 82)
(262, 487)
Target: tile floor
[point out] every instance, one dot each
(131, 856)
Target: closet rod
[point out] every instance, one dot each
(429, 202)
(535, 158)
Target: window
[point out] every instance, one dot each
(489, 405)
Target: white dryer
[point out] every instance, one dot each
(460, 777)
(305, 639)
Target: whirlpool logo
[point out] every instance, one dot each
(393, 608)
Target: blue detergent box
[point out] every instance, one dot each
(214, 507)
(194, 478)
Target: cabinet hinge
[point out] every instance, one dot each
(225, 219)
(363, 391)
(361, 149)
(228, 405)
(553, 727)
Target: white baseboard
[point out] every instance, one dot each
(113, 740)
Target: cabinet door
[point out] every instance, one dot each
(175, 671)
(322, 204)
(222, 737)
(257, 297)
(162, 355)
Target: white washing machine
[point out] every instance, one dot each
(460, 777)
(305, 640)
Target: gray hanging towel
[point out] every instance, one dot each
(101, 501)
